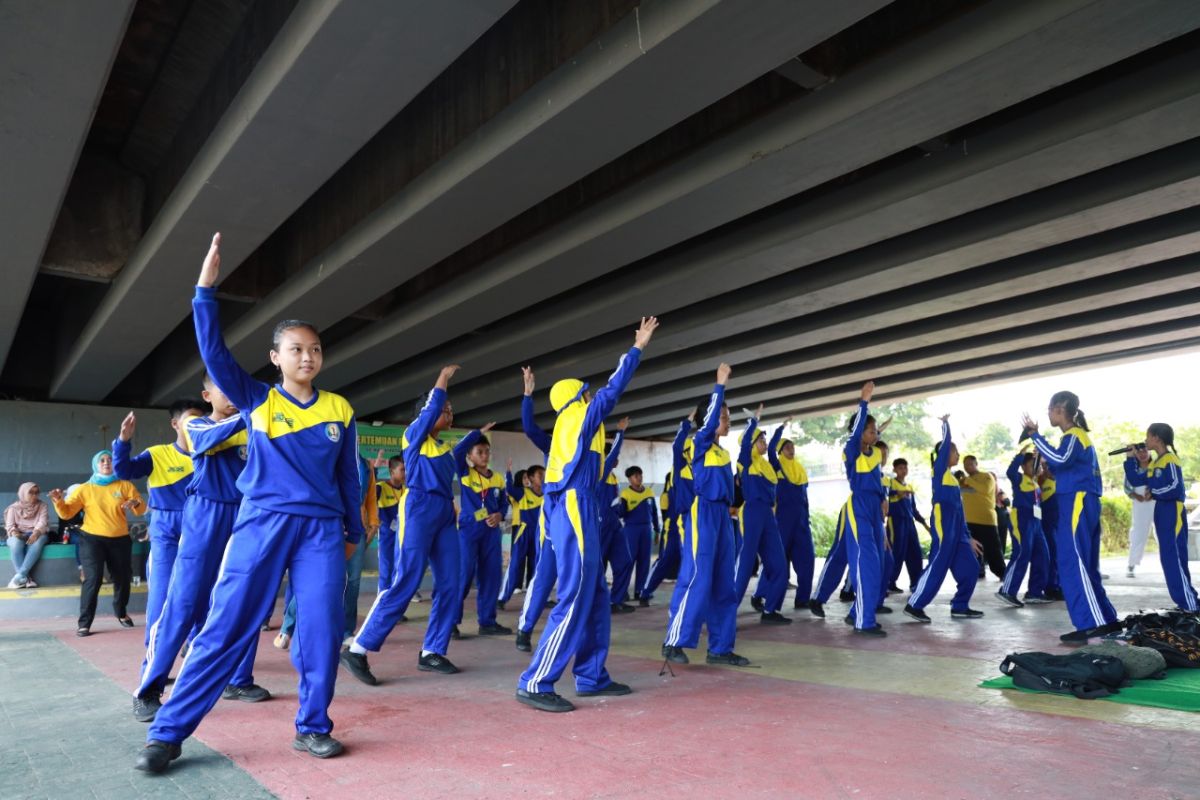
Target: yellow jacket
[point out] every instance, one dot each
(101, 506)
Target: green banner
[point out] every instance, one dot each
(389, 439)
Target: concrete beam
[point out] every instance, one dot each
(335, 73)
(55, 63)
(1122, 119)
(656, 67)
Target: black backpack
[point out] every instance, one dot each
(1083, 675)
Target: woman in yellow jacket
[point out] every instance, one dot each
(104, 537)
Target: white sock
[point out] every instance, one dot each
(355, 647)
(427, 653)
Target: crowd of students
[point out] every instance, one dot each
(266, 479)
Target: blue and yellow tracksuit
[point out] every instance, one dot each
(545, 570)
(578, 626)
(864, 523)
(1029, 541)
(708, 595)
(388, 499)
(903, 516)
(522, 556)
(679, 493)
(481, 495)
(1164, 478)
(1049, 496)
(301, 495)
(951, 549)
(614, 548)
(167, 470)
(218, 454)
(1077, 536)
(639, 511)
(426, 534)
(835, 560)
(795, 530)
(760, 531)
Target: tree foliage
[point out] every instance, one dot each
(907, 430)
(994, 440)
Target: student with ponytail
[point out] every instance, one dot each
(1077, 536)
(1163, 478)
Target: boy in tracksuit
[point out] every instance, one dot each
(709, 596)
(613, 545)
(864, 518)
(1029, 541)
(217, 443)
(545, 571)
(525, 499)
(758, 461)
(674, 496)
(903, 516)
(791, 514)
(578, 627)
(389, 495)
(168, 470)
(835, 566)
(427, 534)
(483, 504)
(639, 511)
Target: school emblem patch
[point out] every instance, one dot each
(333, 432)
(243, 452)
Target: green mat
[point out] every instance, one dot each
(1180, 690)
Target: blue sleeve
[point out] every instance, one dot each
(245, 392)
(512, 489)
(461, 449)
(654, 515)
(416, 433)
(204, 434)
(504, 504)
(540, 439)
(1166, 480)
(1014, 471)
(677, 464)
(605, 399)
(917, 513)
(621, 506)
(773, 449)
(707, 433)
(1133, 471)
(129, 469)
(747, 443)
(854, 443)
(1067, 451)
(942, 462)
(610, 461)
(349, 485)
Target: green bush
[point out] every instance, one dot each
(823, 527)
(1115, 515)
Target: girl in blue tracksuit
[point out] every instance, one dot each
(953, 550)
(1029, 542)
(1077, 537)
(483, 504)
(614, 547)
(758, 465)
(678, 493)
(578, 626)
(1048, 489)
(864, 517)
(427, 534)
(791, 514)
(300, 512)
(525, 498)
(903, 516)
(218, 444)
(639, 512)
(1164, 478)
(388, 496)
(709, 594)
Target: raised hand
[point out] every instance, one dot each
(944, 418)
(623, 424)
(448, 371)
(379, 460)
(1027, 423)
(692, 416)
(128, 426)
(56, 495)
(509, 466)
(487, 427)
(211, 269)
(527, 375)
(644, 332)
(868, 390)
(883, 425)
(723, 373)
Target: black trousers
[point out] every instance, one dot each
(993, 556)
(94, 553)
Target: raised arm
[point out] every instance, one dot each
(677, 445)
(464, 446)
(245, 392)
(773, 447)
(540, 439)
(1014, 470)
(747, 446)
(605, 399)
(614, 453)
(942, 462)
(707, 433)
(126, 466)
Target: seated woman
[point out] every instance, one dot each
(27, 523)
(104, 537)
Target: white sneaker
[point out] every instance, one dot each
(417, 598)
(16, 583)
(283, 641)
(1129, 573)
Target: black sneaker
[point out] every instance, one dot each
(247, 694)
(500, 606)
(849, 619)
(551, 603)
(876, 631)
(622, 608)
(894, 589)
(1010, 599)
(774, 618)
(321, 745)
(1081, 637)
(674, 654)
(545, 701)
(846, 597)
(494, 630)
(436, 663)
(455, 633)
(358, 666)
(817, 608)
(524, 641)
(1036, 600)
(644, 602)
(883, 609)
(614, 689)
(757, 604)
(917, 614)
(966, 613)
(1055, 594)
(145, 708)
(155, 756)
(730, 659)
